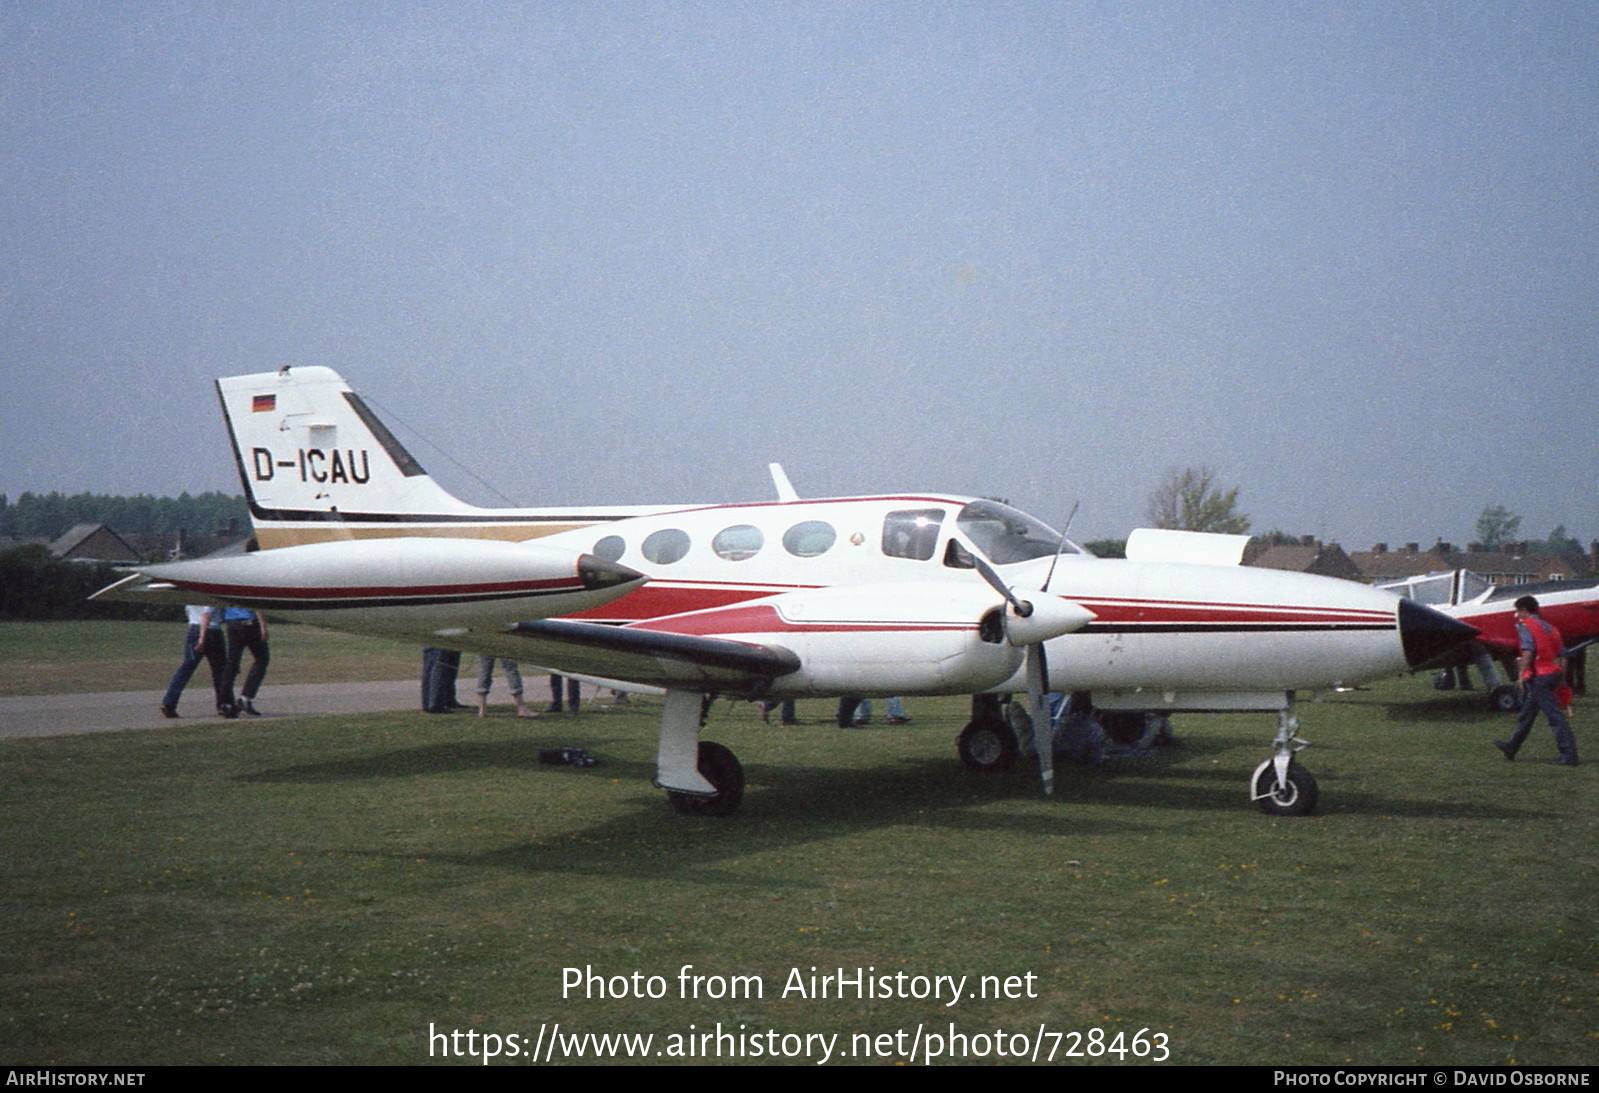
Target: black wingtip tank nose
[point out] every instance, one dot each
(597, 573)
(1427, 634)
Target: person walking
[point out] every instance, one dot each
(202, 641)
(1542, 667)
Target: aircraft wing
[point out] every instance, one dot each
(649, 656)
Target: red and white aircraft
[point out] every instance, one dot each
(1571, 606)
(908, 594)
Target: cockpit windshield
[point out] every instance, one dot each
(1008, 535)
(1442, 589)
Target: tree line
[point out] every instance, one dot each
(1194, 499)
(35, 585)
(51, 515)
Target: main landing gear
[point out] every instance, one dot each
(720, 767)
(701, 778)
(987, 743)
(1504, 699)
(987, 746)
(1280, 786)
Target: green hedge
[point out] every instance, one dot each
(35, 586)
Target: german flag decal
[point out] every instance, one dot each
(261, 404)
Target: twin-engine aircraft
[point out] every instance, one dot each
(912, 594)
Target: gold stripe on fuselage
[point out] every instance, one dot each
(272, 536)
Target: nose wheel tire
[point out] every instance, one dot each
(720, 767)
(1296, 796)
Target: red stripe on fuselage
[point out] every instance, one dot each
(765, 619)
(1109, 612)
(661, 598)
(312, 595)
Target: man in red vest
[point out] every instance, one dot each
(1542, 665)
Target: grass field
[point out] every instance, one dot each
(324, 890)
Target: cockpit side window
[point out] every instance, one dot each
(912, 533)
(1471, 586)
(957, 556)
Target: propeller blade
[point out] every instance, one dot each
(1020, 606)
(1038, 706)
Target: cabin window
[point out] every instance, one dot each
(611, 548)
(738, 542)
(665, 546)
(912, 533)
(809, 538)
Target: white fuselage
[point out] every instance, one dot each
(1162, 630)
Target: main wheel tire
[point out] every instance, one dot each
(1295, 798)
(1124, 727)
(1504, 698)
(720, 767)
(987, 746)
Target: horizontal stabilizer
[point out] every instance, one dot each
(137, 588)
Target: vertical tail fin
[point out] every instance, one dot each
(317, 464)
(314, 460)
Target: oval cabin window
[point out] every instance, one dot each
(738, 542)
(665, 546)
(809, 538)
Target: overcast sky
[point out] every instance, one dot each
(1344, 253)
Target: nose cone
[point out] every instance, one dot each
(1050, 617)
(597, 573)
(1428, 634)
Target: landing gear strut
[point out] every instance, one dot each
(1280, 786)
(701, 778)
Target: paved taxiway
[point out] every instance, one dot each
(63, 715)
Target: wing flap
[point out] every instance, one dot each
(138, 588)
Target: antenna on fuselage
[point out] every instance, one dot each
(785, 488)
(1059, 547)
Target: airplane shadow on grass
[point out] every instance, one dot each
(791, 804)
(1454, 709)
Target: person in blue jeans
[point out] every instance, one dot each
(246, 630)
(439, 670)
(1542, 663)
(202, 641)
